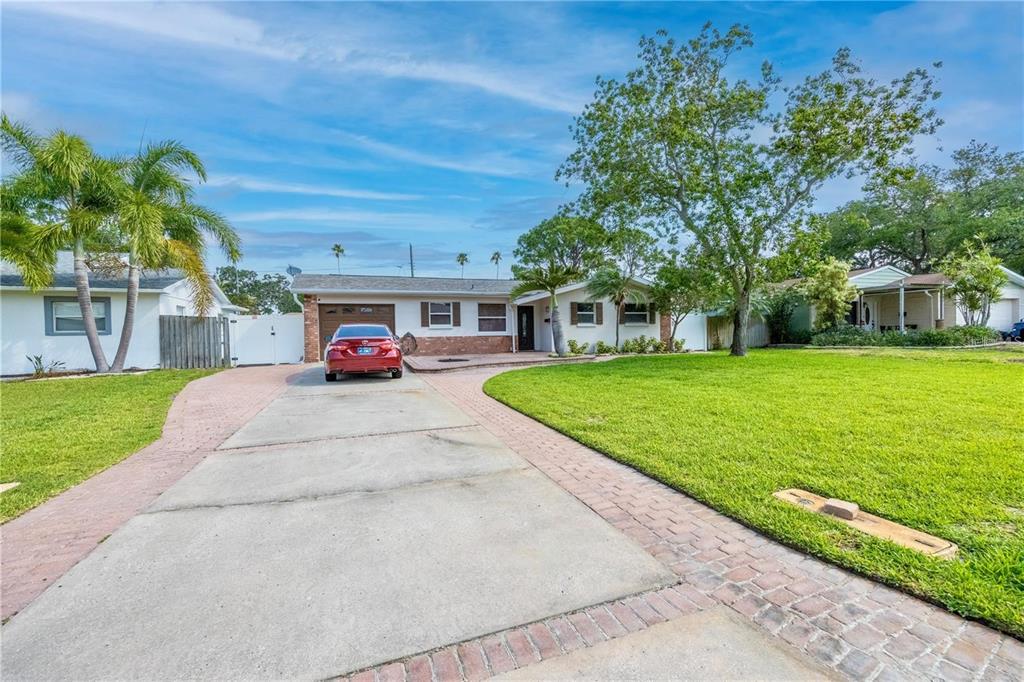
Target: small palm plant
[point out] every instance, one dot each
(338, 250)
(612, 284)
(496, 259)
(549, 278)
(462, 259)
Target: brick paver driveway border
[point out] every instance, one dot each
(853, 626)
(42, 544)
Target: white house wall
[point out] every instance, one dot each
(407, 313)
(23, 332)
(177, 300)
(589, 335)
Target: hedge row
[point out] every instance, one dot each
(954, 336)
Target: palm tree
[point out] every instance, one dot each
(64, 195)
(611, 283)
(549, 279)
(161, 227)
(338, 250)
(496, 259)
(462, 259)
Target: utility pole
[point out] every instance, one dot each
(412, 267)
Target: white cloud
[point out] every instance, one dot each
(489, 80)
(196, 23)
(481, 164)
(209, 26)
(257, 185)
(412, 221)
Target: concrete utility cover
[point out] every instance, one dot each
(314, 559)
(711, 645)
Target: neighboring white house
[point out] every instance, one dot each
(48, 322)
(455, 315)
(892, 299)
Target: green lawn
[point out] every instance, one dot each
(932, 439)
(58, 433)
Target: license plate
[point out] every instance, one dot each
(364, 350)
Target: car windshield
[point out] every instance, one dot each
(361, 331)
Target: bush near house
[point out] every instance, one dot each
(577, 348)
(954, 336)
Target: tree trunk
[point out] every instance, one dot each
(131, 301)
(740, 322)
(85, 305)
(556, 327)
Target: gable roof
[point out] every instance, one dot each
(1015, 277)
(383, 284)
(64, 277)
(539, 295)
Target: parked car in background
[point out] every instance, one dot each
(361, 349)
(1015, 333)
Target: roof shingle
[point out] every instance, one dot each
(338, 284)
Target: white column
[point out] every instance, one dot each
(902, 324)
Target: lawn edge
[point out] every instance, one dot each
(995, 625)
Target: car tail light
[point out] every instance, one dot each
(386, 346)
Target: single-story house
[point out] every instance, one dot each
(456, 315)
(892, 299)
(48, 322)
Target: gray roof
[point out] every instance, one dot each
(341, 284)
(64, 277)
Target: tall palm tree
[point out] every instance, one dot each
(64, 194)
(496, 259)
(549, 279)
(611, 283)
(161, 227)
(462, 259)
(338, 250)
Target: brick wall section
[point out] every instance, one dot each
(448, 345)
(666, 327)
(44, 543)
(310, 329)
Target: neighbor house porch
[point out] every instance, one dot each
(913, 303)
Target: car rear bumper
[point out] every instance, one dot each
(359, 365)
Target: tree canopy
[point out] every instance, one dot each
(682, 147)
(258, 295)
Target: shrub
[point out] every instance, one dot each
(602, 348)
(577, 348)
(677, 345)
(41, 368)
(955, 336)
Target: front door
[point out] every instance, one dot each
(525, 326)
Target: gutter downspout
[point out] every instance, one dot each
(903, 329)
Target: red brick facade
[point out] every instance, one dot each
(666, 326)
(310, 329)
(447, 345)
(425, 345)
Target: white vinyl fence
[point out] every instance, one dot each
(266, 339)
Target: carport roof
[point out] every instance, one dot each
(343, 284)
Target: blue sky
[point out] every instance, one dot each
(376, 125)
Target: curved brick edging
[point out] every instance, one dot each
(42, 544)
(856, 627)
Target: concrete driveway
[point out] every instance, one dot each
(345, 525)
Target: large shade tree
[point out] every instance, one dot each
(694, 150)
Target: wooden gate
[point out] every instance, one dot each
(194, 342)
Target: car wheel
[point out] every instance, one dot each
(330, 377)
(396, 374)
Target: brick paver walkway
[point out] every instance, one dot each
(858, 628)
(42, 544)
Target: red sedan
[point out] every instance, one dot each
(362, 348)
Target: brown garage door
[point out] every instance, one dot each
(334, 315)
